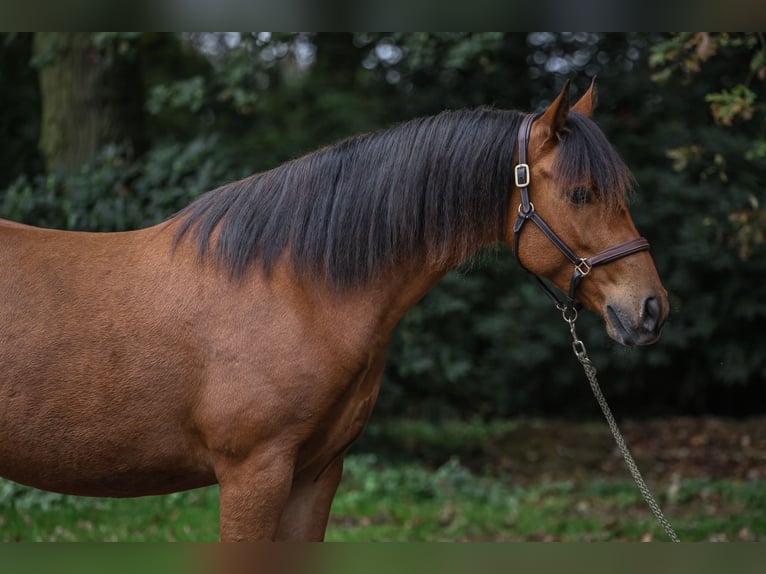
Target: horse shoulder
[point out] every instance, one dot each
(292, 367)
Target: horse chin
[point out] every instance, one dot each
(620, 328)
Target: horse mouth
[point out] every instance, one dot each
(620, 329)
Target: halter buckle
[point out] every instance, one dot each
(583, 267)
(521, 174)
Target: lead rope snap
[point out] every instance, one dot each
(590, 371)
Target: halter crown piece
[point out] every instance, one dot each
(526, 212)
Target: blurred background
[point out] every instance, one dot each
(482, 398)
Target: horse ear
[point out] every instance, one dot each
(587, 102)
(554, 118)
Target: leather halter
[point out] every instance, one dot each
(526, 212)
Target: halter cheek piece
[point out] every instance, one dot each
(526, 212)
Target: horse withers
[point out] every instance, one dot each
(242, 342)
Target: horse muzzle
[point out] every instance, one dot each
(632, 327)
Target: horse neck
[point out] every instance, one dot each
(383, 302)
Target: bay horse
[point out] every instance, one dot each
(242, 341)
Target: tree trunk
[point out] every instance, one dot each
(91, 97)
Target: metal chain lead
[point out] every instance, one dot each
(570, 316)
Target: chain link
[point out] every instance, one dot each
(590, 371)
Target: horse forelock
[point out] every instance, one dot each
(436, 186)
(585, 157)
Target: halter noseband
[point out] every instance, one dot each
(582, 265)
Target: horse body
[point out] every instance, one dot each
(243, 341)
(130, 369)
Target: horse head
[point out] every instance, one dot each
(571, 183)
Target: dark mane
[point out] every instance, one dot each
(437, 186)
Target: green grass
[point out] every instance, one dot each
(410, 502)
(27, 514)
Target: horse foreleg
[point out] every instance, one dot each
(308, 506)
(254, 493)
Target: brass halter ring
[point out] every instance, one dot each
(583, 266)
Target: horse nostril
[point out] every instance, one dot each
(652, 314)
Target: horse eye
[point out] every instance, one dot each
(580, 195)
